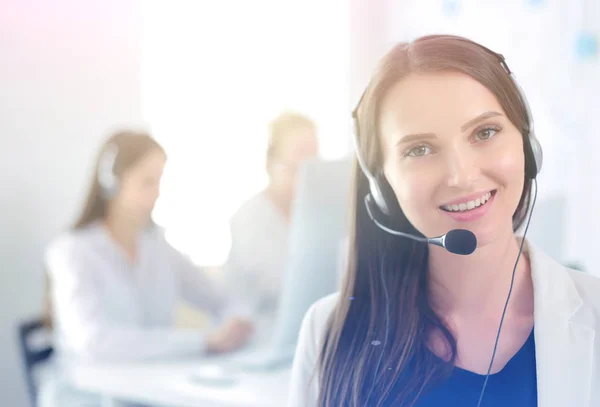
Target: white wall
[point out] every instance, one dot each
(69, 73)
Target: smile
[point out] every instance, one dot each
(470, 204)
(471, 208)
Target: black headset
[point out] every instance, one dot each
(382, 197)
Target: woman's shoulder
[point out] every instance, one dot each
(303, 383)
(74, 238)
(561, 284)
(315, 320)
(73, 242)
(588, 286)
(321, 309)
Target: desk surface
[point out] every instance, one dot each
(170, 384)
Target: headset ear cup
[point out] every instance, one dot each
(533, 149)
(107, 179)
(378, 198)
(109, 187)
(533, 157)
(109, 192)
(386, 198)
(394, 216)
(537, 154)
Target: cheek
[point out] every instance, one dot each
(135, 198)
(508, 170)
(130, 198)
(511, 162)
(414, 191)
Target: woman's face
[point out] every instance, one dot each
(139, 187)
(451, 155)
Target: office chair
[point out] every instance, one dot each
(33, 356)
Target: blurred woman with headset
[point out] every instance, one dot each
(442, 303)
(116, 281)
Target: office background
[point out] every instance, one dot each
(206, 79)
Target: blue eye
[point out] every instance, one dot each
(487, 133)
(418, 151)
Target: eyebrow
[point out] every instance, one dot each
(423, 136)
(478, 119)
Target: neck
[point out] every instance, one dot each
(281, 201)
(123, 231)
(478, 284)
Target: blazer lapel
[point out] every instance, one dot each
(564, 336)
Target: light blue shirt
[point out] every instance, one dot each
(107, 309)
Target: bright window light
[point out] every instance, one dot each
(213, 75)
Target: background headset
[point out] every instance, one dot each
(381, 198)
(108, 181)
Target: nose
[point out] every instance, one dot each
(463, 168)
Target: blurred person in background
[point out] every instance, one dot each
(116, 282)
(259, 229)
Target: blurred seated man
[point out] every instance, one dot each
(116, 281)
(259, 229)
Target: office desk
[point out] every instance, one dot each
(169, 384)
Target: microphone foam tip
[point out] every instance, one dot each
(460, 241)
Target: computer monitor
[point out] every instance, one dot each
(317, 232)
(319, 225)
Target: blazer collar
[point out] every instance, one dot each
(554, 289)
(564, 334)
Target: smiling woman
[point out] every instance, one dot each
(445, 141)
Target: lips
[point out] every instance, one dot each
(459, 210)
(468, 203)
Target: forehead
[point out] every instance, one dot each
(432, 102)
(151, 163)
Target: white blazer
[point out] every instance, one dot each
(566, 317)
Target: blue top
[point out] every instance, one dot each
(515, 385)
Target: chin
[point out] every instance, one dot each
(483, 238)
(493, 233)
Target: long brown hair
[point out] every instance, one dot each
(130, 148)
(349, 358)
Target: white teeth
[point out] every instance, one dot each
(468, 205)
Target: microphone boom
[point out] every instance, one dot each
(457, 241)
